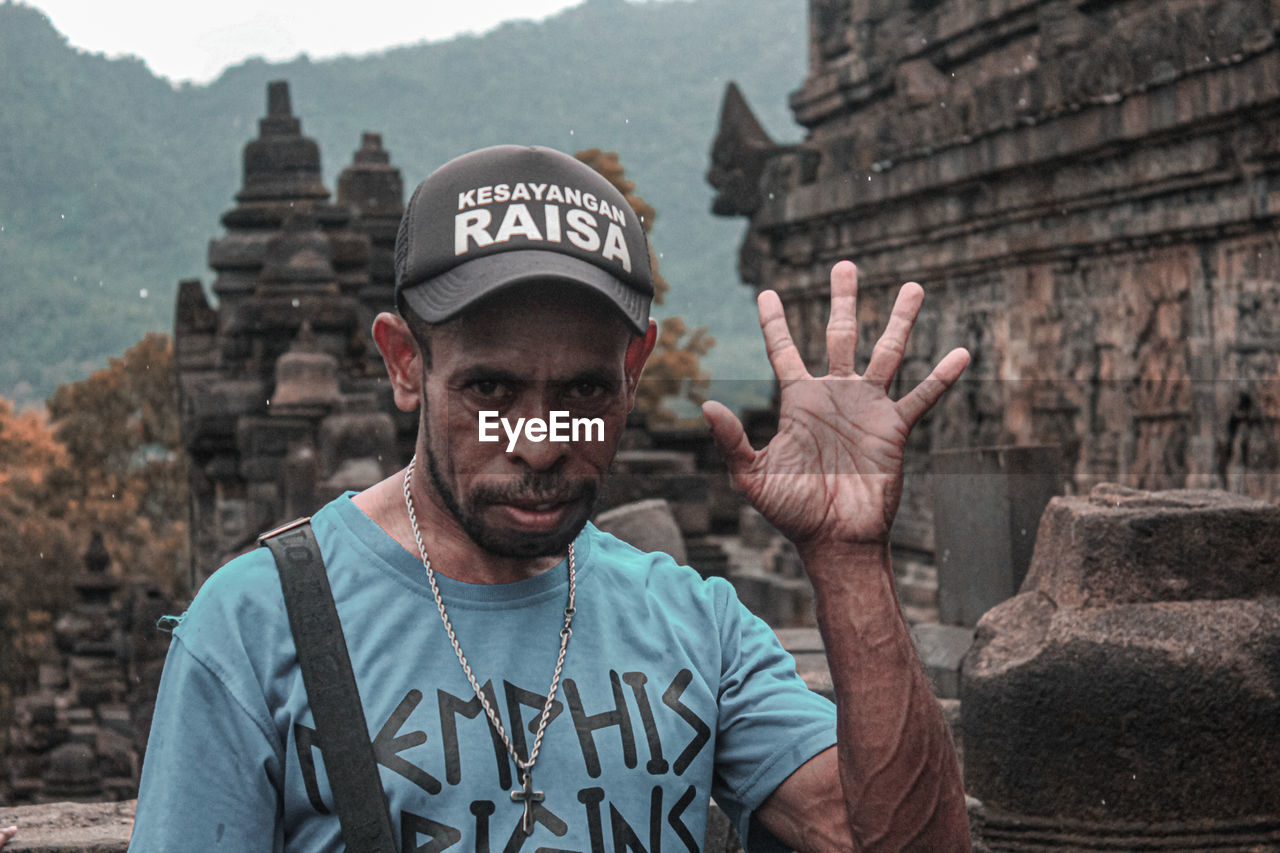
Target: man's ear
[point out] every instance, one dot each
(403, 357)
(638, 350)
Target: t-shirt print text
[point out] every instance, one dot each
(634, 722)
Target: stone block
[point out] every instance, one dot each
(80, 717)
(787, 562)
(648, 525)
(1128, 693)
(686, 493)
(942, 649)
(38, 709)
(70, 827)
(1139, 712)
(987, 505)
(51, 676)
(115, 718)
(83, 735)
(917, 592)
(693, 516)
(117, 755)
(656, 462)
(800, 640)
(781, 602)
(805, 645)
(708, 557)
(754, 530)
(1120, 546)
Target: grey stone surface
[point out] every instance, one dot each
(986, 507)
(942, 649)
(800, 640)
(780, 601)
(70, 827)
(1087, 193)
(754, 530)
(1120, 546)
(1129, 691)
(648, 525)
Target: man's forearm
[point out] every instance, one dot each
(898, 767)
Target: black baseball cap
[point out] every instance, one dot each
(519, 215)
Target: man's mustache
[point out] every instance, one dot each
(535, 487)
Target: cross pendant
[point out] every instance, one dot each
(528, 796)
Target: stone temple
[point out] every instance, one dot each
(284, 397)
(1089, 193)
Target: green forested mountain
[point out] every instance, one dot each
(112, 180)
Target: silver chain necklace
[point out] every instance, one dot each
(526, 795)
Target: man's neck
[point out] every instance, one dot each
(452, 552)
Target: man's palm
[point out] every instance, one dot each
(833, 472)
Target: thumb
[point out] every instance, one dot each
(730, 438)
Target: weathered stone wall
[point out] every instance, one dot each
(1090, 194)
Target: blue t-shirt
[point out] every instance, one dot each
(672, 692)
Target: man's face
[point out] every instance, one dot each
(523, 355)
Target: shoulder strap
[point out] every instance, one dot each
(331, 688)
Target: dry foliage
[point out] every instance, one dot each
(675, 368)
(105, 457)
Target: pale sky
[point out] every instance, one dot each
(185, 40)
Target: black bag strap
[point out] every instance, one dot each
(331, 689)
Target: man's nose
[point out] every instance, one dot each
(533, 445)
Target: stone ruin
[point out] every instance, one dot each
(1129, 696)
(285, 403)
(1090, 195)
(79, 736)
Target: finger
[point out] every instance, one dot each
(913, 406)
(788, 366)
(842, 325)
(887, 355)
(730, 438)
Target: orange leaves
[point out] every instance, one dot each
(675, 367)
(106, 457)
(27, 446)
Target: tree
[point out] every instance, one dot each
(124, 473)
(104, 458)
(37, 550)
(675, 367)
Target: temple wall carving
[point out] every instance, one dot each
(1090, 194)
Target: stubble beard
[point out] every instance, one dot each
(516, 544)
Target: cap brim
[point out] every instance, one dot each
(442, 297)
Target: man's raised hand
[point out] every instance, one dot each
(832, 475)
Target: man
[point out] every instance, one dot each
(532, 683)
